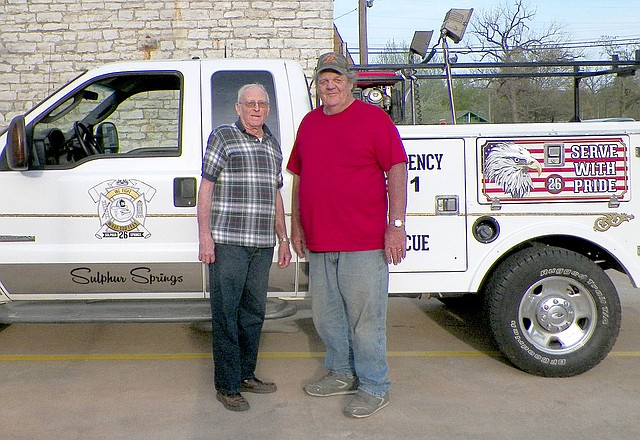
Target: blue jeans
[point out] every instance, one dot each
(238, 282)
(349, 292)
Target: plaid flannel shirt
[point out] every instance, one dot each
(246, 174)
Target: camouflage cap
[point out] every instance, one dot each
(332, 61)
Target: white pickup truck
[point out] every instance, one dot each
(98, 218)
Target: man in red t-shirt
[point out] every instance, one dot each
(349, 203)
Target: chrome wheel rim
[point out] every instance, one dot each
(557, 315)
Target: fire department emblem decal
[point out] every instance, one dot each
(122, 208)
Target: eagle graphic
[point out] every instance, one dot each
(508, 165)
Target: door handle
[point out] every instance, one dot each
(447, 205)
(184, 192)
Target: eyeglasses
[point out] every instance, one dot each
(252, 104)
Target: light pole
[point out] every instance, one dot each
(362, 27)
(454, 25)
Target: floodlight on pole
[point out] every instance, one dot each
(420, 43)
(419, 46)
(455, 23)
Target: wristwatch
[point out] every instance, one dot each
(398, 223)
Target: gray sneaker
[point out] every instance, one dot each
(365, 404)
(333, 384)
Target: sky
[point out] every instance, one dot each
(396, 20)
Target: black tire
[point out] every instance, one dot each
(552, 312)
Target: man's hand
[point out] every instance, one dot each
(207, 249)
(284, 254)
(395, 244)
(298, 241)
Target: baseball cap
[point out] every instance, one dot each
(332, 61)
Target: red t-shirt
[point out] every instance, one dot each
(341, 160)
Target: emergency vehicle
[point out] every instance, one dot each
(98, 219)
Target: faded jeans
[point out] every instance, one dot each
(238, 281)
(349, 292)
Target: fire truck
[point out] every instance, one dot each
(98, 208)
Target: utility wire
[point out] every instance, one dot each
(575, 45)
(346, 13)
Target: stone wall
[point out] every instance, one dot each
(45, 43)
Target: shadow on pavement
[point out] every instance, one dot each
(463, 318)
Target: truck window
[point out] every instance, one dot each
(115, 116)
(224, 89)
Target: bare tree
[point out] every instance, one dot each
(611, 48)
(504, 35)
(622, 91)
(393, 53)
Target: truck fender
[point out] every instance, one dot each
(534, 232)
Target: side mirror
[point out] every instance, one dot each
(107, 137)
(16, 150)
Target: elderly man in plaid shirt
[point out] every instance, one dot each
(240, 214)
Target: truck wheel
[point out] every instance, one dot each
(552, 312)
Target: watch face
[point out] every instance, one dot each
(398, 223)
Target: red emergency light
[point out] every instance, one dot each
(379, 79)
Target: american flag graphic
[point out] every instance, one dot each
(555, 169)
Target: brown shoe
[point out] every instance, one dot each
(255, 385)
(233, 402)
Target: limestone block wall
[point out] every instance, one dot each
(45, 43)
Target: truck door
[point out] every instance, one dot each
(107, 207)
(221, 81)
(436, 206)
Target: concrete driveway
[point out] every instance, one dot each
(153, 381)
